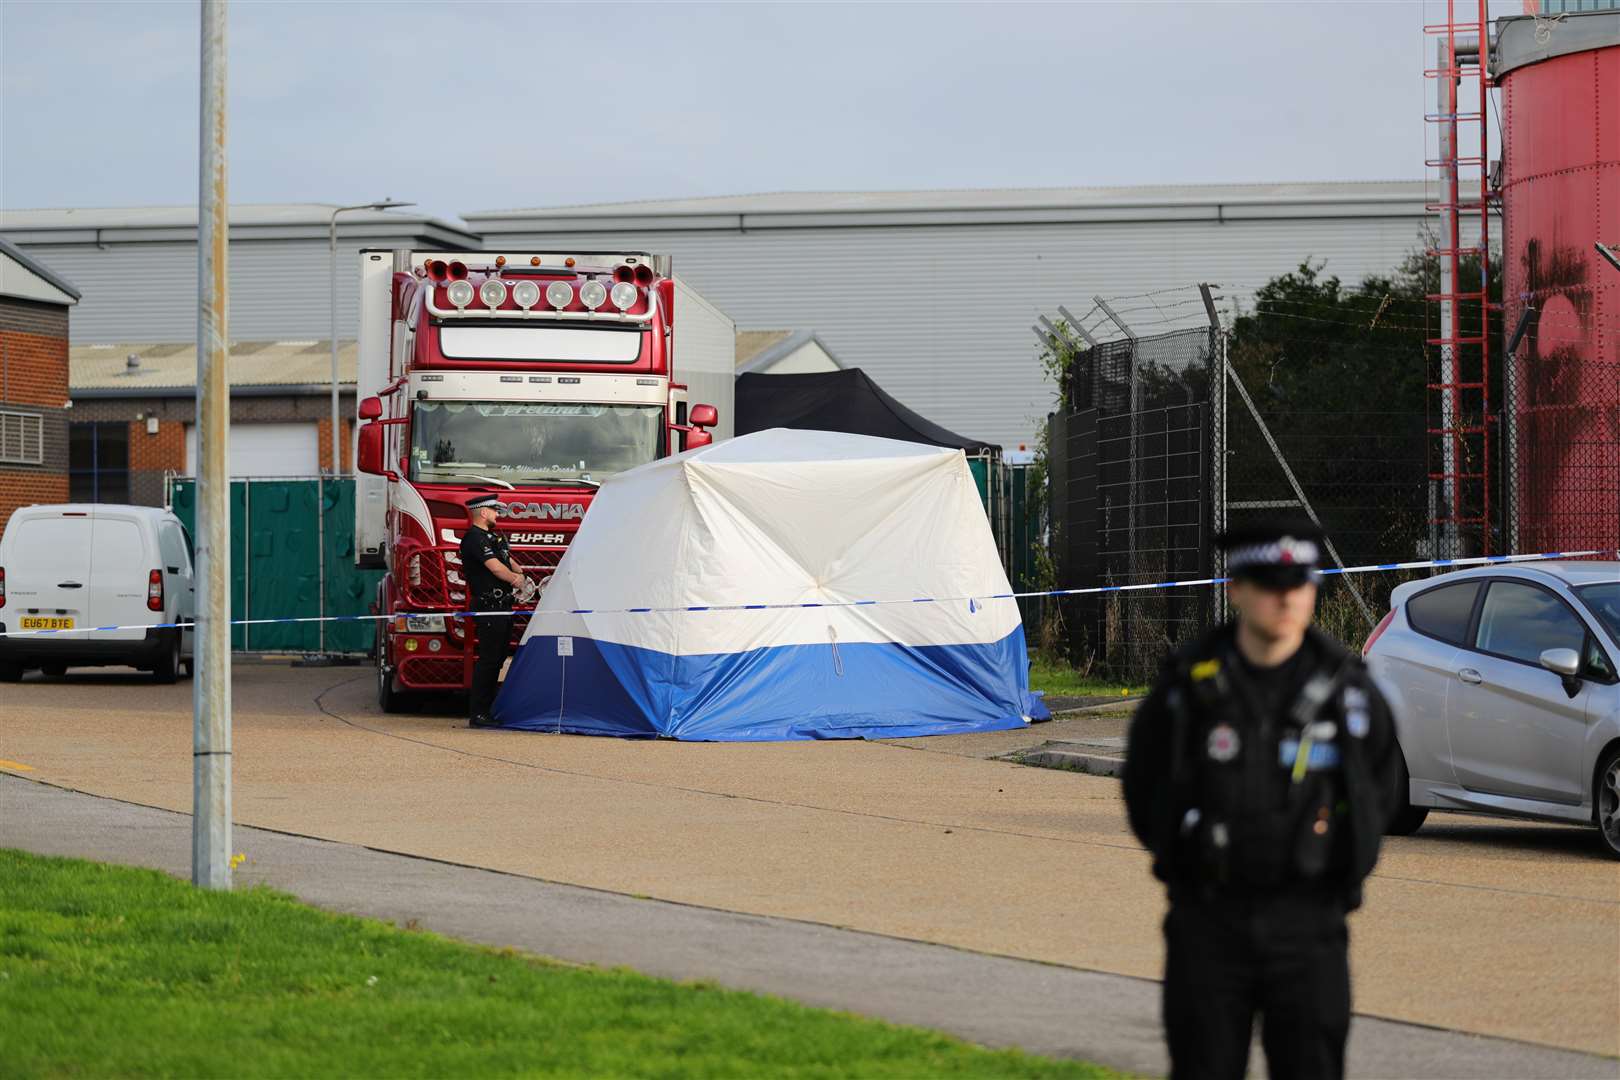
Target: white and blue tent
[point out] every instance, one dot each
(781, 585)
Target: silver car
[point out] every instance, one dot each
(1505, 681)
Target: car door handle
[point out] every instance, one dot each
(70, 585)
(1470, 676)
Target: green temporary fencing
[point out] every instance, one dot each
(292, 556)
(1005, 491)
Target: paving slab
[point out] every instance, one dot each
(1494, 928)
(992, 1000)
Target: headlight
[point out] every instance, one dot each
(624, 296)
(559, 294)
(592, 294)
(460, 293)
(526, 294)
(424, 624)
(492, 292)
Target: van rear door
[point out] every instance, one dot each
(48, 568)
(120, 571)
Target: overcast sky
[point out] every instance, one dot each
(471, 106)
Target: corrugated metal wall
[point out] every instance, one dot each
(941, 315)
(146, 292)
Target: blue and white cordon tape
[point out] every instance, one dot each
(972, 601)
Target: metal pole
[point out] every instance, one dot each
(332, 298)
(211, 693)
(1446, 103)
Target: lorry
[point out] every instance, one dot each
(532, 375)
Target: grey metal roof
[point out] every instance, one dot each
(987, 200)
(766, 347)
(104, 370)
(1528, 39)
(258, 220)
(38, 268)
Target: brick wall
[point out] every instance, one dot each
(150, 456)
(21, 488)
(34, 379)
(325, 438)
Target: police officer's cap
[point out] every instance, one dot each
(479, 501)
(1275, 552)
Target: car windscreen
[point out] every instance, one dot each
(531, 442)
(1603, 600)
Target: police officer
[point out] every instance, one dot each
(1260, 773)
(493, 581)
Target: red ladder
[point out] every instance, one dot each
(1460, 437)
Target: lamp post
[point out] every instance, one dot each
(385, 204)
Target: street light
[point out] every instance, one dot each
(385, 204)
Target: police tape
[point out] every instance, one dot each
(1092, 590)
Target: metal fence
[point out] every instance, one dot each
(292, 555)
(1133, 457)
(1157, 446)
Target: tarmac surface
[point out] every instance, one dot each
(1489, 928)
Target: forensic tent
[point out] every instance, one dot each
(846, 400)
(781, 585)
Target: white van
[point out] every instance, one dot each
(79, 565)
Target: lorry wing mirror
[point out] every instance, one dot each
(705, 416)
(371, 408)
(369, 456)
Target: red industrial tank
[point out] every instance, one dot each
(1560, 80)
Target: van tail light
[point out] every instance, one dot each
(1383, 624)
(2, 586)
(154, 590)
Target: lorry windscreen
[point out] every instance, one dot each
(531, 442)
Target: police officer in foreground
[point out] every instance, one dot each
(1260, 773)
(493, 582)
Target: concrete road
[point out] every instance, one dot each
(1505, 930)
(1045, 1008)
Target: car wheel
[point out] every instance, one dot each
(190, 667)
(55, 671)
(1606, 801)
(1408, 818)
(167, 668)
(11, 672)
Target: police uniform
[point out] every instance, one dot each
(487, 593)
(1263, 794)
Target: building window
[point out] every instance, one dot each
(22, 438)
(98, 462)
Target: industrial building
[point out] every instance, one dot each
(932, 292)
(34, 403)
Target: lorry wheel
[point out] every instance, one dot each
(167, 668)
(10, 672)
(1408, 818)
(390, 700)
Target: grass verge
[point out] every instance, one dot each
(110, 970)
(1057, 679)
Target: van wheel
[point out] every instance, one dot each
(167, 668)
(1606, 801)
(10, 672)
(1408, 818)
